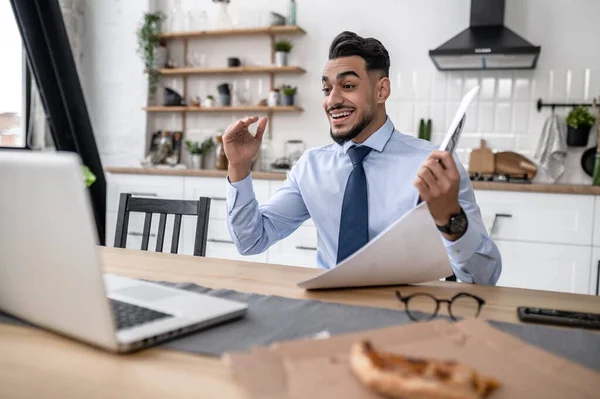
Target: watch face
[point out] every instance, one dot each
(458, 224)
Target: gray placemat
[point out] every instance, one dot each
(272, 318)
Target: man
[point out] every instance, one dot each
(357, 187)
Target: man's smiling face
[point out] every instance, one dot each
(349, 97)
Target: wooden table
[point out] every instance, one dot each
(38, 364)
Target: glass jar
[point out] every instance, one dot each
(267, 154)
(294, 150)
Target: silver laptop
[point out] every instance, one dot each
(50, 274)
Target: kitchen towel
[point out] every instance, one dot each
(551, 150)
(272, 318)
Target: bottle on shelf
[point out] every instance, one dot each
(222, 162)
(176, 17)
(223, 19)
(292, 13)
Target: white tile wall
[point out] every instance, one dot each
(504, 113)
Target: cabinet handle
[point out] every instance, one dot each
(144, 194)
(220, 241)
(305, 248)
(138, 234)
(598, 280)
(218, 198)
(496, 216)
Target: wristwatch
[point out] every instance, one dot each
(457, 224)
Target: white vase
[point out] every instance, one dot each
(161, 55)
(208, 103)
(196, 161)
(281, 58)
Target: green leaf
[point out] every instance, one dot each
(89, 177)
(580, 116)
(148, 40)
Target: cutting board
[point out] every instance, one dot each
(481, 160)
(514, 164)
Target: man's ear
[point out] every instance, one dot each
(384, 90)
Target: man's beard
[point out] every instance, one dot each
(355, 131)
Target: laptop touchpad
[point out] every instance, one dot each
(146, 293)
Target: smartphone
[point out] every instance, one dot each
(559, 317)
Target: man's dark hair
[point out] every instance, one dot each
(348, 44)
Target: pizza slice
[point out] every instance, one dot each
(400, 377)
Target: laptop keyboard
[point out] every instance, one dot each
(127, 315)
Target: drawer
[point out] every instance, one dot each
(215, 189)
(299, 249)
(537, 217)
(136, 228)
(170, 187)
(550, 267)
(219, 243)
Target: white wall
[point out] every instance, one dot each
(505, 114)
(112, 79)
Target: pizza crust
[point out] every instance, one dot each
(400, 377)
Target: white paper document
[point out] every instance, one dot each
(410, 251)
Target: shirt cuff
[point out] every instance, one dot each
(239, 193)
(464, 248)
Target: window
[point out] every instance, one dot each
(12, 81)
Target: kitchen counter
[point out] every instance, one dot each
(538, 188)
(478, 185)
(189, 172)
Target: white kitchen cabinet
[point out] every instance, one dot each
(539, 218)
(594, 288)
(596, 239)
(151, 186)
(214, 188)
(546, 244)
(548, 267)
(299, 249)
(219, 243)
(134, 232)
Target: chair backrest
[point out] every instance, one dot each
(164, 207)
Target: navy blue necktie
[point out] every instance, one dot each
(354, 223)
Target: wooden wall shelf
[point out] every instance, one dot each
(232, 70)
(270, 30)
(258, 109)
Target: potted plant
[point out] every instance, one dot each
(282, 49)
(579, 122)
(149, 47)
(205, 149)
(209, 102)
(288, 95)
(195, 153)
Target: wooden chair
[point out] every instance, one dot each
(164, 207)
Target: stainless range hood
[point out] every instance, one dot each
(486, 43)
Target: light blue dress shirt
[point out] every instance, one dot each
(315, 189)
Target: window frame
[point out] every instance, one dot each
(25, 106)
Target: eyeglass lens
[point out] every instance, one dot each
(422, 307)
(464, 306)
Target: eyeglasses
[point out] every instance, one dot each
(423, 306)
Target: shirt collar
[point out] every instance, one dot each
(377, 140)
